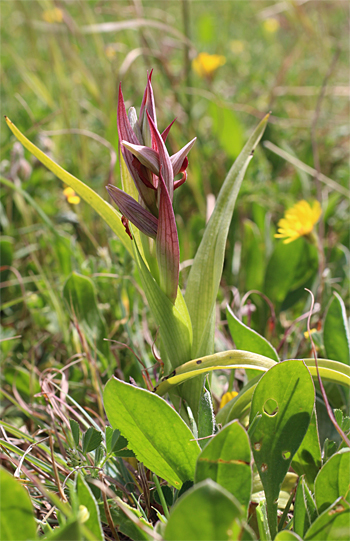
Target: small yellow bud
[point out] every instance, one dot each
(227, 397)
(83, 514)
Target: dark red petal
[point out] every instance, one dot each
(133, 211)
(167, 243)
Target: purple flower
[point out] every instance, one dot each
(153, 171)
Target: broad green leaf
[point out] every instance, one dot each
(205, 274)
(332, 525)
(16, 510)
(285, 398)
(104, 209)
(91, 440)
(205, 512)
(87, 499)
(226, 460)
(333, 480)
(305, 511)
(248, 339)
(307, 459)
(155, 432)
(336, 331)
(206, 418)
(289, 270)
(287, 535)
(80, 295)
(173, 320)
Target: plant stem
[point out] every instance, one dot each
(161, 495)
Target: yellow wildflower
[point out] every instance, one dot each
(227, 397)
(298, 221)
(271, 25)
(307, 334)
(54, 15)
(206, 64)
(71, 196)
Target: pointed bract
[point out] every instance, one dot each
(134, 212)
(147, 156)
(165, 133)
(147, 106)
(164, 158)
(167, 243)
(178, 158)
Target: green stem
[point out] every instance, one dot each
(161, 496)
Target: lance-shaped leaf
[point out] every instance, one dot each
(164, 158)
(133, 211)
(178, 158)
(205, 274)
(206, 271)
(168, 251)
(102, 207)
(126, 133)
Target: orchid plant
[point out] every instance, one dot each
(280, 404)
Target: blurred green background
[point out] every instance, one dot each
(61, 64)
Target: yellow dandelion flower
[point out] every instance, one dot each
(227, 397)
(54, 15)
(271, 25)
(205, 65)
(71, 196)
(298, 221)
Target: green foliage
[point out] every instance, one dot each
(16, 516)
(155, 432)
(206, 511)
(80, 296)
(247, 339)
(282, 406)
(336, 331)
(87, 499)
(226, 460)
